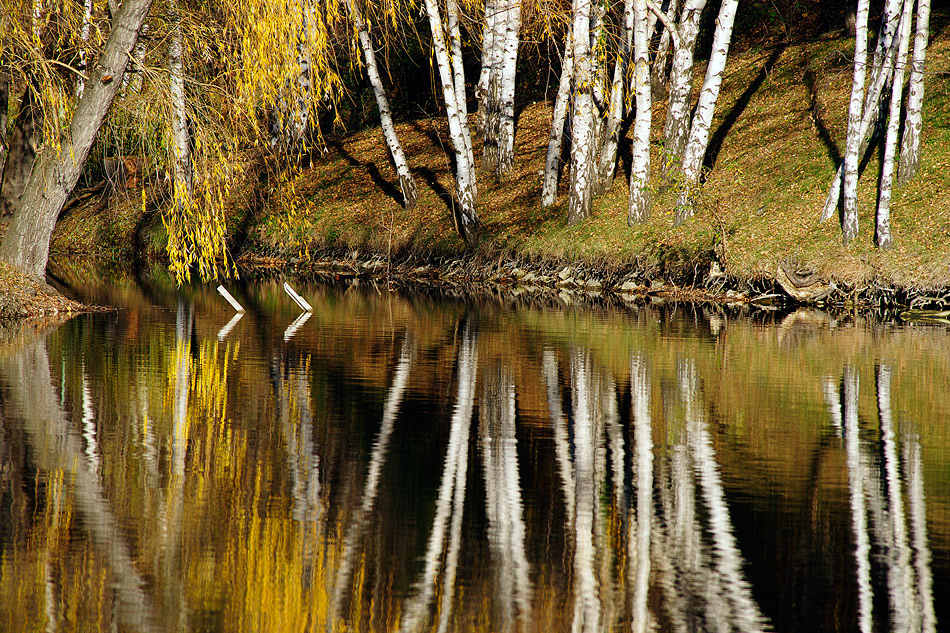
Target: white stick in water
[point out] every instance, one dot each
(234, 302)
(300, 300)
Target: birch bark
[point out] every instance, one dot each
(506, 118)
(582, 146)
(180, 135)
(910, 142)
(26, 242)
(702, 119)
(607, 159)
(490, 57)
(660, 61)
(883, 235)
(464, 215)
(849, 225)
(84, 34)
(552, 161)
(881, 73)
(497, 103)
(407, 184)
(676, 128)
(641, 201)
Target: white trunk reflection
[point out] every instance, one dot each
(640, 532)
(56, 447)
(503, 505)
(451, 497)
(357, 526)
(901, 539)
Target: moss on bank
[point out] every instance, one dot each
(777, 137)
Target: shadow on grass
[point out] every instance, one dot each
(432, 180)
(384, 185)
(715, 143)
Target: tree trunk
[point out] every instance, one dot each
(181, 139)
(881, 74)
(83, 53)
(676, 128)
(641, 200)
(25, 140)
(4, 107)
(702, 119)
(407, 184)
(464, 215)
(506, 105)
(910, 142)
(607, 159)
(490, 59)
(582, 133)
(849, 225)
(26, 243)
(552, 162)
(663, 48)
(883, 235)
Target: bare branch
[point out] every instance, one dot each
(665, 21)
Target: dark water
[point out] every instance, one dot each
(409, 463)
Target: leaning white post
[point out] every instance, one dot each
(234, 302)
(300, 300)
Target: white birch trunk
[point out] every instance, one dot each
(180, 136)
(464, 215)
(883, 235)
(702, 119)
(83, 53)
(407, 184)
(641, 200)
(881, 71)
(910, 142)
(676, 128)
(607, 160)
(138, 57)
(488, 88)
(506, 115)
(490, 57)
(582, 135)
(855, 115)
(552, 161)
(663, 48)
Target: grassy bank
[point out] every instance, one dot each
(777, 137)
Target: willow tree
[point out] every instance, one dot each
(55, 173)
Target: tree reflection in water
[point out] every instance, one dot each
(322, 481)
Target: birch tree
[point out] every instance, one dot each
(883, 235)
(855, 108)
(698, 139)
(452, 78)
(496, 86)
(910, 141)
(407, 184)
(26, 243)
(552, 161)
(181, 139)
(607, 159)
(640, 198)
(580, 201)
(881, 74)
(676, 128)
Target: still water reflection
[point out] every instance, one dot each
(409, 463)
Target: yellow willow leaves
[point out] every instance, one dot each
(274, 37)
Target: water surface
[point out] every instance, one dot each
(414, 463)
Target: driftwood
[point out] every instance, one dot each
(803, 286)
